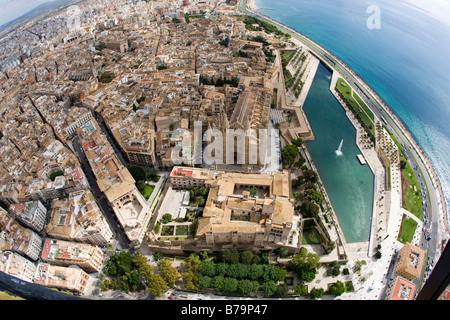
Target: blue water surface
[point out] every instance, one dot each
(350, 185)
(406, 62)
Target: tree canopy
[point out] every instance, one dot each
(192, 262)
(305, 264)
(156, 284)
(309, 209)
(269, 288)
(316, 293)
(289, 154)
(337, 288)
(168, 272)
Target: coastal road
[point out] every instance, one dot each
(431, 198)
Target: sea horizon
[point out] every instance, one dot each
(404, 61)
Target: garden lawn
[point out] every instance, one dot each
(412, 197)
(167, 231)
(310, 236)
(182, 230)
(346, 91)
(147, 191)
(407, 229)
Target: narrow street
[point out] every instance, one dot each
(122, 241)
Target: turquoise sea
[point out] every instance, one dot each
(406, 62)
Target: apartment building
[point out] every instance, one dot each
(410, 262)
(115, 181)
(135, 134)
(49, 173)
(67, 253)
(14, 237)
(78, 218)
(32, 213)
(188, 178)
(400, 289)
(65, 278)
(75, 119)
(16, 265)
